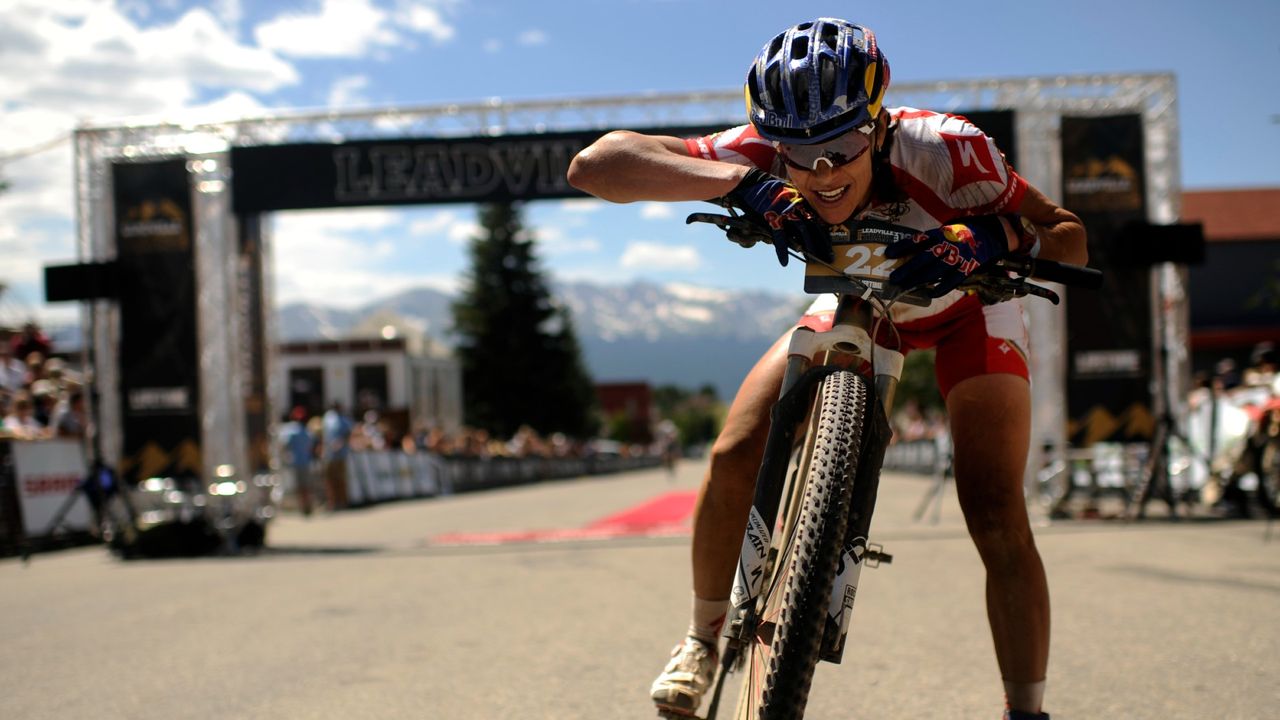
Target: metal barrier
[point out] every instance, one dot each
(375, 476)
(916, 456)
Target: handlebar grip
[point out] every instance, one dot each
(1071, 275)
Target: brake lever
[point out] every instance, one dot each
(1042, 292)
(738, 229)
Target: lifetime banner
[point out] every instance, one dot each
(159, 359)
(1108, 330)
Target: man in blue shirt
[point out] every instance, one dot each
(337, 446)
(299, 449)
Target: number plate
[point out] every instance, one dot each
(860, 255)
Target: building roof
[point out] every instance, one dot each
(1247, 214)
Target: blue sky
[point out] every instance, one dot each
(75, 60)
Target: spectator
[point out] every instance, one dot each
(1225, 375)
(21, 422)
(69, 417)
(31, 340)
(13, 373)
(44, 397)
(55, 369)
(371, 430)
(337, 446)
(1263, 364)
(299, 446)
(35, 368)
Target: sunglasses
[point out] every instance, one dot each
(837, 152)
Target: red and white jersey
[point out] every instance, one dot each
(945, 166)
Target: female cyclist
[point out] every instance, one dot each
(819, 151)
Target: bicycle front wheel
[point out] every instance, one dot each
(781, 654)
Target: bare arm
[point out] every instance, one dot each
(625, 166)
(1062, 235)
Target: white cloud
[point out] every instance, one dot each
(448, 224)
(86, 60)
(656, 211)
(424, 19)
(553, 240)
(341, 28)
(351, 28)
(532, 37)
(330, 257)
(654, 256)
(230, 12)
(348, 91)
(461, 232)
(492, 46)
(581, 205)
(89, 60)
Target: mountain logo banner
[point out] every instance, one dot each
(1109, 331)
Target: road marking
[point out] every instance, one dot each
(666, 515)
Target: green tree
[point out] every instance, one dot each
(697, 415)
(521, 363)
(918, 382)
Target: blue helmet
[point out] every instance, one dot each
(815, 81)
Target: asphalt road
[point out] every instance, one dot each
(360, 615)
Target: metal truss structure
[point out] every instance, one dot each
(1039, 104)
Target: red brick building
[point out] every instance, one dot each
(631, 401)
(1235, 293)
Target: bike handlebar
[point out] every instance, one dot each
(1059, 272)
(746, 233)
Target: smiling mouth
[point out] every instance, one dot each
(833, 195)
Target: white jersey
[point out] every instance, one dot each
(946, 168)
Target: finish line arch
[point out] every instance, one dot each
(147, 187)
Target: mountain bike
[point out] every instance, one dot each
(807, 536)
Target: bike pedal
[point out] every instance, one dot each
(875, 555)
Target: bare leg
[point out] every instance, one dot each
(720, 517)
(990, 425)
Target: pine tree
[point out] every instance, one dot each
(521, 364)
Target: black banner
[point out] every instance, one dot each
(407, 171)
(159, 358)
(253, 314)
(998, 125)
(1108, 330)
(413, 171)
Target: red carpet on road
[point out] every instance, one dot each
(665, 515)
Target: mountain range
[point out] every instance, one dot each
(675, 334)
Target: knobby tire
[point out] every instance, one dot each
(809, 567)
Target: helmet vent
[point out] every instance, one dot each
(772, 86)
(800, 48)
(826, 81)
(830, 35)
(802, 96)
(775, 47)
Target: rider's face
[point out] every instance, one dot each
(836, 192)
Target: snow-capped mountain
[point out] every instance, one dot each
(663, 334)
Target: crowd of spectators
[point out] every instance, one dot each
(912, 422)
(40, 398)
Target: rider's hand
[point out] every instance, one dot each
(950, 254)
(777, 205)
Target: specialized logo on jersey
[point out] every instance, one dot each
(971, 160)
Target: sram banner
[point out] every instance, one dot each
(46, 473)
